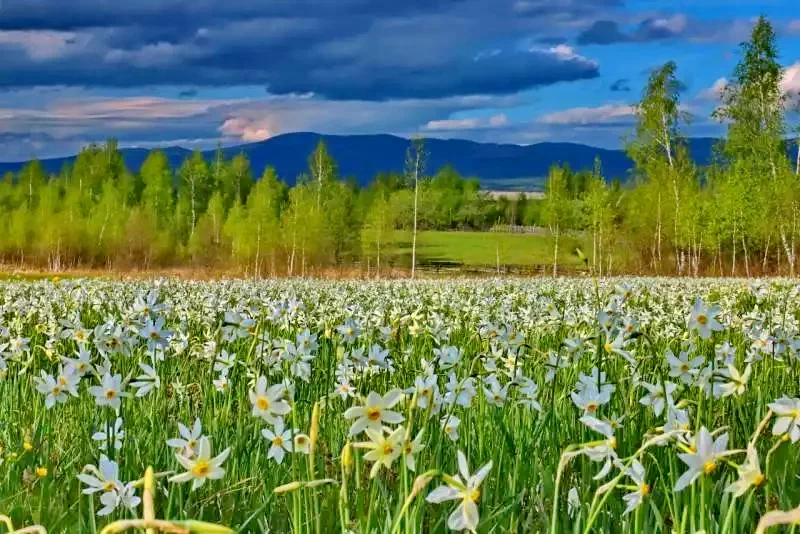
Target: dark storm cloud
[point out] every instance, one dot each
(620, 86)
(343, 49)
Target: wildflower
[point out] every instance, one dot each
(590, 399)
(105, 477)
(412, 447)
(280, 439)
(635, 498)
(375, 412)
(109, 393)
(750, 474)
(495, 394)
(188, 440)
(450, 424)
(787, 422)
(115, 438)
(682, 367)
(302, 443)
(465, 516)
(737, 382)
(154, 333)
(41, 472)
(53, 390)
(123, 496)
(384, 449)
(658, 396)
(267, 402)
(703, 319)
(703, 459)
(603, 451)
(146, 382)
(202, 467)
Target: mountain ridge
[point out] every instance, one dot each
(362, 156)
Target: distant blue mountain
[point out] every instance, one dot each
(498, 166)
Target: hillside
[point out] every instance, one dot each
(499, 166)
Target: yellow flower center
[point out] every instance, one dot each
(702, 319)
(28, 446)
(108, 486)
(684, 368)
(300, 440)
(56, 391)
(387, 449)
(644, 489)
(110, 394)
(277, 441)
(374, 414)
(474, 495)
(62, 380)
(201, 468)
(262, 403)
(759, 479)
(609, 347)
(709, 467)
(591, 407)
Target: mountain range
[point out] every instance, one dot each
(498, 166)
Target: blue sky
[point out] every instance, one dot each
(198, 72)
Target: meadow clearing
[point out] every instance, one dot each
(547, 405)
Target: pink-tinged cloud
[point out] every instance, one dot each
(248, 130)
(608, 113)
(134, 108)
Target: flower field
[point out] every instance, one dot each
(550, 405)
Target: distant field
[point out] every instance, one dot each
(483, 248)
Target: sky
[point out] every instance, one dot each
(196, 73)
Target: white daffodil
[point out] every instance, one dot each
(703, 319)
(450, 424)
(736, 383)
(412, 447)
(109, 392)
(384, 448)
(683, 367)
(146, 382)
(375, 413)
(116, 436)
(188, 440)
(280, 441)
(634, 499)
(658, 396)
(267, 402)
(105, 477)
(750, 475)
(787, 411)
(467, 489)
(202, 466)
(704, 458)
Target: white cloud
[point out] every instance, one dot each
(714, 92)
(589, 115)
(790, 81)
(474, 123)
(41, 45)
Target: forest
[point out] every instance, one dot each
(740, 215)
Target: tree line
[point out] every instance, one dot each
(213, 213)
(738, 215)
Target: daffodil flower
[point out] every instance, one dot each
(465, 516)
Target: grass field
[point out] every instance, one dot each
(484, 248)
